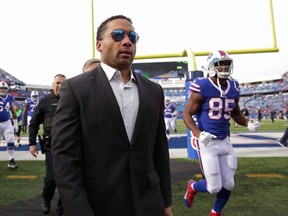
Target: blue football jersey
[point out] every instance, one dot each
(31, 105)
(169, 111)
(5, 105)
(214, 114)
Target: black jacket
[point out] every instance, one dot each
(43, 114)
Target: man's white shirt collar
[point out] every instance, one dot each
(109, 71)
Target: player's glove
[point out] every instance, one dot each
(206, 137)
(15, 125)
(253, 125)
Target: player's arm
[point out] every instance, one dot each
(238, 116)
(174, 113)
(192, 107)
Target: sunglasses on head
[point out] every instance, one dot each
(118, 35)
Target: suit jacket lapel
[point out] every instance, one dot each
(141, 115)
(103, 89)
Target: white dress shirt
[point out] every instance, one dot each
(127, 96)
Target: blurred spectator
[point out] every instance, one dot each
(259, 115)
(273, 115)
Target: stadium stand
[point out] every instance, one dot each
(267, 96)
(21, 90)
(9, 79)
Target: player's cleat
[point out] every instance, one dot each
(190, 193)
(168, 137)
(281, 144)
(12, 164)
(215, 213)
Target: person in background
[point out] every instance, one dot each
(6, 127)
(115, 162)
(24, 124)
(259, 114)
(169, 117)
(90, 64)
(213, 101)
(19, 120)
(29, 105)
(44, 114)
(273, 115)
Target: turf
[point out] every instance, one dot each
(261, 187)
(263, 195)
(265, 125)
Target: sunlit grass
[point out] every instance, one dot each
(266, 125)
(251, 196)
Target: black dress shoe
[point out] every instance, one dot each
(46, 207)
(60, 212)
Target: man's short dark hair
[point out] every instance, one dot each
(103, 25)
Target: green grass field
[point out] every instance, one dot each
(262, 194)
(265, 125)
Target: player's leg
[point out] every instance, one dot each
(212, 174)
(228, 164)
(209, 162)
(167, 125)
(9, 137)
(173, 124)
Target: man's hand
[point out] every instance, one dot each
(206, 137)
(168, 211)
(253, 125)
(33, 150)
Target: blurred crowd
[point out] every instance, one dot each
(259, 98)
(262, 100)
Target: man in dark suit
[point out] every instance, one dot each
(109, 144)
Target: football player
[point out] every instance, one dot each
(30, 104)
(212, 102)
(169, 117)
(6, 128)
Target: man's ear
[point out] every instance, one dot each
(99, 46)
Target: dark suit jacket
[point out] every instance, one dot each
(97, 170)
